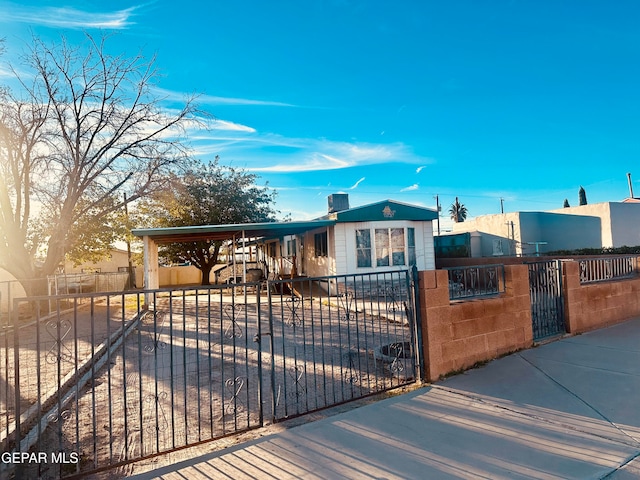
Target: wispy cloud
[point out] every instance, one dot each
(231, 126)
(213, 100)
(66, 17)
(420, 168)
(272, 153)
(304, 155)
(357, 183)
(415, 186)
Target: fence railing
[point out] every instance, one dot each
(108, 378)
(475, 281)
(607, 268)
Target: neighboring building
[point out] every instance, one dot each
(599, 225)
(10, 288)
(116, 261)
(619, 221)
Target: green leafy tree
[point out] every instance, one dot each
(83, 128)
(566, 203)
(206, 195)
(458, 211)
(582, 196)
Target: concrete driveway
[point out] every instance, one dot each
(567, 409)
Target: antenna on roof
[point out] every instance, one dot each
(630, 185)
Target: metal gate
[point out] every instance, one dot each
(547, 302)
(96, 381)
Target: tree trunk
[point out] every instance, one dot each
(206, 271)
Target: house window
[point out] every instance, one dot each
(392, 247)
(320, 243)
(363, 248)
(411, 245)
(382, 247)
(291, 248)
(397, 246)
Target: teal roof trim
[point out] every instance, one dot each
(225, 232)
(386, 210)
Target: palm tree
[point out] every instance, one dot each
(458, 211)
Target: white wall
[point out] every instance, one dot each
(625, 224)
(346, 240)
(10, 288)
(620, 222)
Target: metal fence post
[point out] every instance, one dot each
(417, 322)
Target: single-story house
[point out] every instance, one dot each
(378, 237)
(599, 225)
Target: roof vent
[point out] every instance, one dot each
(338, 202)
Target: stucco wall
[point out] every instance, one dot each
(116, 259)
(174, 276)
(620, 222)
(560, 232)
(625, 224)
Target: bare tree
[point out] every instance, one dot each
(85, 127)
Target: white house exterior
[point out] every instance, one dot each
(380, 237)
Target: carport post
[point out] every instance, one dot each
(244, 258)
(151, 274)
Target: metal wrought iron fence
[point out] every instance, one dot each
(339, 338)
(110, 378)
(607, 268)
(475, 281)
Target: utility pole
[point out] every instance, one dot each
(438, 212)
(501, 205)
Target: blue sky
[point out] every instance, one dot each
(524, 100)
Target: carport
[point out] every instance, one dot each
(237, 233)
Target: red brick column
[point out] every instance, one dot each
(457, 335)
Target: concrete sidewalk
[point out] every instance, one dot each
(568, 409)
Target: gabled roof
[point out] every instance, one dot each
(385, 210)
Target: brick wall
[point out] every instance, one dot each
(460, 334)
(597, 305)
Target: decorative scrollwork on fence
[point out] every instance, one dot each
(155, 410)
(233, 329)
(58, 330)
(352, 374)
(155, 344)
(234, 404)
(293, 306)
(346, 300)
(396, 350)
(296, 373)
(61, 417)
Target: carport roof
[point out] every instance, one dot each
(226, 232)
